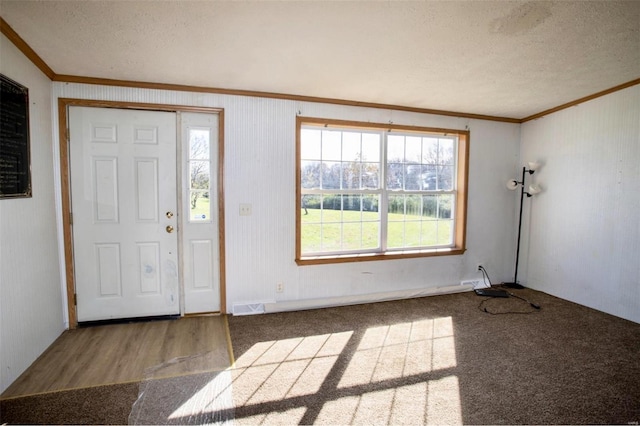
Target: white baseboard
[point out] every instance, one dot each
(300, 305)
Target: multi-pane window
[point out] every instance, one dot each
(378, 190)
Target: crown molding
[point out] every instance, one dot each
(582, 100)
(270, 95)
(26, 49)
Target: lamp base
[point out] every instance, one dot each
(513, 285)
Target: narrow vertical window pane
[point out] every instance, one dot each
(331, 145)
(371, 234)
(331, 238)
(396, 208)
(445, 206)
(371, 147)
(352, 236)
(429, 150)
(200, 206)
(413, 149)
(351, 148)
(430, 206)
(351, 175)
(445, 232)
(429, 233)
(395, 149)
(311, 234)
(445, 178)
(395, 176)
(413, 207)
(446, 151)
(352, 208)
(370, 176)
(429, 177)
(370, 222)
(311, 206)
(199, 144)
(310, 174)
(395, 234)
(310, 149)
(435, 231)
(331, 173)
(412, 177)
(199, 175)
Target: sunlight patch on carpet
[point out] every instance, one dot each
(212, 402)
(276, 370)
(443, 401)
(389, 374)
(401, 350)
(431, 402)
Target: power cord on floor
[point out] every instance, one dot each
(534, 305)
(485, 275)
(483, 308)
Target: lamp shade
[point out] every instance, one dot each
(533, 165)
(534, 189)
(512, 184)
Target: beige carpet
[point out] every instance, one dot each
(438, 360)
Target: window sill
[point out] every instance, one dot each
(367, 257)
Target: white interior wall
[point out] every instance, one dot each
(260, 170)
(582, 234)
(31, 315)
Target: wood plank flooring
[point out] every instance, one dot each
(122, 353)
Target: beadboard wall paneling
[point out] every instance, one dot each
(31, 309)
(582, 234)
(260, 170)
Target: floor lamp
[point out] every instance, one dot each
(513, 184)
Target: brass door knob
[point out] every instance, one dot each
(169, 215)
(169, 229)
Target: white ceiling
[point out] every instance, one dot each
(499, 58)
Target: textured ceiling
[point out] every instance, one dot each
(505, 58)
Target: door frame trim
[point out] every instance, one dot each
(65, 183)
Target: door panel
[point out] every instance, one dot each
(199, 219)
(123, 196)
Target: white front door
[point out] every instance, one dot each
(123, 197)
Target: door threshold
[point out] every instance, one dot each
(85, 324)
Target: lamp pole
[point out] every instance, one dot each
(515, 283)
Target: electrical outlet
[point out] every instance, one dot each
(245, 209)
(279, 287)
(475, 283)
(479, 267)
